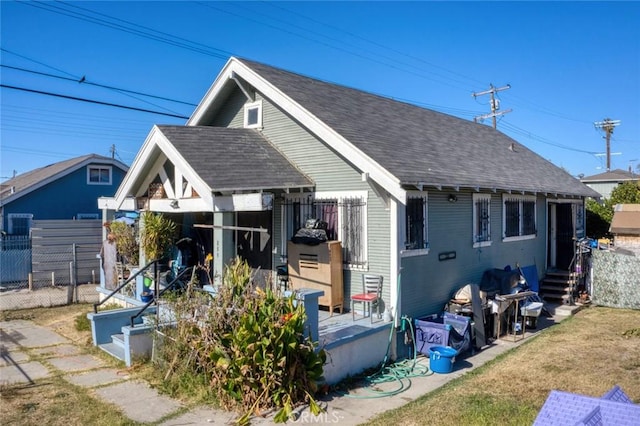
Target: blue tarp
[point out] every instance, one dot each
(531, 275)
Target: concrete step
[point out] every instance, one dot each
(558, 297)
(563, 310)
(557, 281)
(113, 349)
(544, 288)
(118, 339)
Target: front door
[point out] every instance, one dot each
(255, 245)
(561, 238)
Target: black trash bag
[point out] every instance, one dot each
(310, 237)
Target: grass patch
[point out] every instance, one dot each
(586, 354)
(82, 323)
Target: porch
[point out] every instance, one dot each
(352, 346)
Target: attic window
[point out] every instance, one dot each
(253, 115)
(99, 175)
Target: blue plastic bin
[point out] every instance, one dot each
(441, 359)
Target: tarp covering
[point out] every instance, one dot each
(499, 281)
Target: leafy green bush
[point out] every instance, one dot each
(250, 345)
(157, 235)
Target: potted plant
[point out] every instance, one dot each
(157, 235)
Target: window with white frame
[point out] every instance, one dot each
(344, 214)
(416, 237)
(519, 217)
(481, 220)
(99, 175)
(253, 115)
(19, 223)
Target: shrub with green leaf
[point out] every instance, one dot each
(157, 235)
(599, 215)
(126, 241)
(249, 343)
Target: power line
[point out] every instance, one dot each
(75, 98)
(85, 81)
(80, 80)
(358, 54)
(68, 116)
(272, 4)
(538, 138)
(148, 34)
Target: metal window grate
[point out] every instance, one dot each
(520, 217)
(512, 218)
(482, 220)
(415, 220)
(344, 218)
(528, 217)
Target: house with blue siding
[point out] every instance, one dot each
(65, 190)
(426, 200)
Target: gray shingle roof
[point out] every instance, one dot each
(25, 181)
(421, 146)
(616, 175)
(242, 158)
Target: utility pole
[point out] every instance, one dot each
(495, 103)
(607, 125)
(113, 151)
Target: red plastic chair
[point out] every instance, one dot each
(372, 293)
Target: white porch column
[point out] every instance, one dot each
(224, 249)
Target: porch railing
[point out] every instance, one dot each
(127, 281)
(170, 286)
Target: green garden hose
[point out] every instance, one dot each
(400, 372)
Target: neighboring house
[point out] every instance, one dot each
(625, 227)
(427, 200)
(605, 183)
(65, 190)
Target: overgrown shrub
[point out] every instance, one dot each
(126, 242)
(249, 344)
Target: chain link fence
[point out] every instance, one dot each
(47, 270)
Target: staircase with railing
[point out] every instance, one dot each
(563, 285)
(127, 333)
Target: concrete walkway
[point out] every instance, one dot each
(135, 399)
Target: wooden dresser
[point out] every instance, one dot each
(318, 267)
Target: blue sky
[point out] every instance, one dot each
(569, 64)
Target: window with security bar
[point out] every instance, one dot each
(481, 220)
(19, 223)
(416, 223)
(344, 215)
(519, 217)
